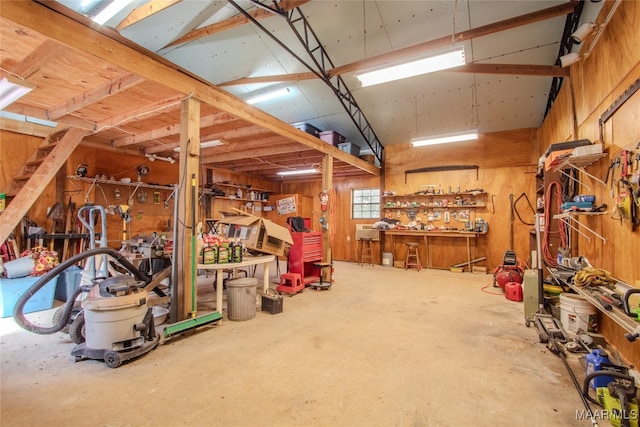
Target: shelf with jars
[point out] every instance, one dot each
(465, 199)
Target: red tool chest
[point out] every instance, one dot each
(306, 249)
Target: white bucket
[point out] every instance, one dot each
(577, 314)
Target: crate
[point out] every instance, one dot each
(308, 128)
(332, 137)
(12, 289)
(369, 158)
(350, 147)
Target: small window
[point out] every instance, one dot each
(365, 203)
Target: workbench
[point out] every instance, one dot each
(246, 262)
(425, 235)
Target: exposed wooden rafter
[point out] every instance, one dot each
(439, 43)
(233, 22)
(145, 11)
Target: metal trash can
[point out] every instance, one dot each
(241, 298)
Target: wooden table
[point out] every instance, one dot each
(246, 261)
(426, 234)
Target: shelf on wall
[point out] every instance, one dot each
(243, 187)
(579, 163)
(126, 184)
(570, 217)
(454, 206)
(435, 194)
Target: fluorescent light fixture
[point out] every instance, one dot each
(12, 89)
(110, 11)
(265, 96)
(430, 64)
(212, 143)
(445, 139)
(27, 119)
(206, 144)
(298, 172)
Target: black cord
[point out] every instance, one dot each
(515, 208)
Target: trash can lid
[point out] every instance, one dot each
(242, 282)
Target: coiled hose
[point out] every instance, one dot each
(18, 313)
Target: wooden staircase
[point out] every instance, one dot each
(34, 162)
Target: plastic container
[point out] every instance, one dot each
(68, 281)
(332, 137)
(12, 289)
(577, 314)
(387, 259)
(595, 361)
(241, 298)
(350, 147)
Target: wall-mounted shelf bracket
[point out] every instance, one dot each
(570, 217)
(579, 163)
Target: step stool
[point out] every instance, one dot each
(290, 283)
(413, 258)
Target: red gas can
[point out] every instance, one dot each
(513, 291)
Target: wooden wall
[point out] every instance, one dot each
(507, 163)
(596, 82)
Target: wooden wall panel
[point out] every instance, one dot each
(598, 81)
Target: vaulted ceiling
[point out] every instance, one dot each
(133, 105)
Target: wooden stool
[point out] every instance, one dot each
(413, 258)
(290, 283)
(367, 251)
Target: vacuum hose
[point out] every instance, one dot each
(24, 323)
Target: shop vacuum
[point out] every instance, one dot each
(118, 324)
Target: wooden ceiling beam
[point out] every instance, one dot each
(255, 153)
(439, 43)
(514, 69)
(94, 95)
(446, 41)
(145, 11)
(170, 130)
(37, 58)
(161, 106)
(233, 22)
(79, 33)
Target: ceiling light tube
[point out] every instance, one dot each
(265, 96)
(206, 144)
(445, 139)
(13, 89)
(110, 11)
(430, 64)
(298, 172)
(212, 143)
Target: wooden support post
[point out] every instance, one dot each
(327, 184)
(186, 298)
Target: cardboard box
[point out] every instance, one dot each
(258, 234)
(12, 289)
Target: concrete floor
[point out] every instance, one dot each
(383, 347)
